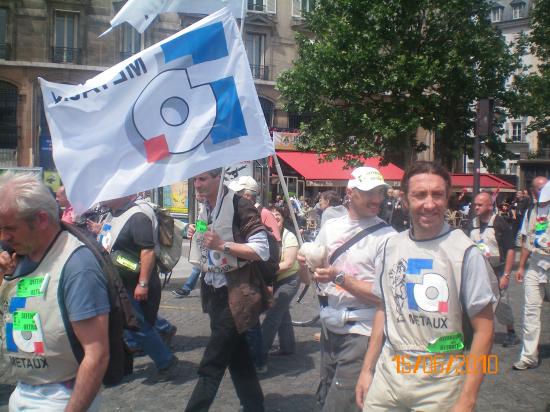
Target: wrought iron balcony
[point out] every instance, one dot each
(66, 55)
(5, 51)
(260, 72)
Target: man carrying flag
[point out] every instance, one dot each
(232, 294)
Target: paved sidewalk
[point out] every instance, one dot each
(291, 381)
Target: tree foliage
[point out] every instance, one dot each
(371, 72)
(534, 87)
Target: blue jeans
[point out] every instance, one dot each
(191, 281)
(256, 345)
(277, 318)
(163, 326)
(149, 339)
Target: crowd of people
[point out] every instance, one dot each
(395, 281)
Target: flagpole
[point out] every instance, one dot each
(218, 199)
(243, 15)
(287, 198)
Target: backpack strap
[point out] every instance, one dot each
(363, 233)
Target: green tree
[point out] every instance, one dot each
(371, 72)
(534, 87)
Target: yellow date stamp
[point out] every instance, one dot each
(453, 364)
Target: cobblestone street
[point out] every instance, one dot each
(291, 381)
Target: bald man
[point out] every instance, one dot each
(535, 232)
(494, 237)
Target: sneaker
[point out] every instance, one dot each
(522, 366)
(510, 340)
(181, 293)
(261, 370)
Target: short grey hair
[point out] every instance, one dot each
(250, 192)
(26, 195)
(215, 172)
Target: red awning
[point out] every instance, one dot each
(486, 181)
(308, 165)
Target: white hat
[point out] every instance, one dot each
(545, 193)
(366, 178)
(244, 183)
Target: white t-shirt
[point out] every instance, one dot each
(362, 261)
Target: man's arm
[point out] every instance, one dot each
(483, 326)
(359, 288)
(93, 335)
(213, 241)
(373, 353)
(147, 258)
(525, 253)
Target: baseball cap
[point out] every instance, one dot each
(545, 193)
(244, 183)
(366, 178)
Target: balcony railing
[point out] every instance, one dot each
(260, 72)
(66, 55)
(5, 51)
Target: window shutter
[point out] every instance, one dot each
(296, 8)
(271, 6)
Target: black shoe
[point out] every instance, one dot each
(510, 340)
(181, 292)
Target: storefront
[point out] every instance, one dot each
(307, 174)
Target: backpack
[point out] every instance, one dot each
(168, 238)
(270, 267)
(121, 316)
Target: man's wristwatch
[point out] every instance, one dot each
(143, 284)
(340, 278)
(226, 248)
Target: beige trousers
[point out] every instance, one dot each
(534, 295)
(420, 391)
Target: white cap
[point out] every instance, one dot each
(545, 193)
(244, 183)
(366, 178)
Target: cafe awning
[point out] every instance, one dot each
(486, 181)
(311, 167)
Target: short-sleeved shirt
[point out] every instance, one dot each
(476, 281)
(362, 261)
(289, 241)
(503, 233)
(85, 287)
(135, 236)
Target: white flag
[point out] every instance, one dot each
(140, 13)
(179, 108)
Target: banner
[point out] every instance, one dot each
(285, 140)
(177, 109)
(140, 13)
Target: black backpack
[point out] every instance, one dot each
(270, 267)
(121, 316)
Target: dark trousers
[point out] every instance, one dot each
(226, 349)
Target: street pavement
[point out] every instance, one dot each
(291, 381)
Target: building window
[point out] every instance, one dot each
(4, 46)
(266, 6)
(299, 7)
(8, 124)
(132, 41)
(517, 131)
(295, 119)
(517, 10)
(268, 107)
(65, 48)
(255, 49)
(496, 14)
